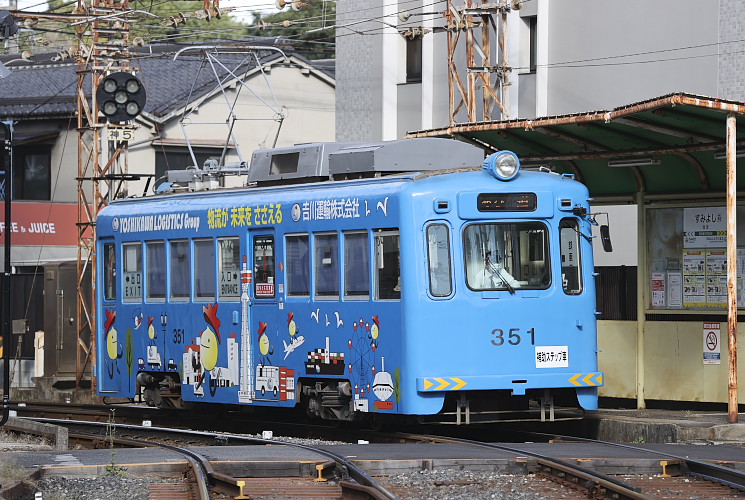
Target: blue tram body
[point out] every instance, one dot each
(450, 295)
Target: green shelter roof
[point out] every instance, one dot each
(668, 146)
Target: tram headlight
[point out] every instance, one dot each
(503, 165)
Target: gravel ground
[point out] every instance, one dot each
(101, 488)
(453, 484)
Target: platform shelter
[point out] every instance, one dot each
(669, 156)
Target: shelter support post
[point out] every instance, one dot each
(641, 301)
(732, 264)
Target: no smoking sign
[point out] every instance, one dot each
(712, 341)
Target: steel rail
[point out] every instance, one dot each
(711, 472)
(345, 467)
(596, 483)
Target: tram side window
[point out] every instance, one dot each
(132, 271)
(229, 267)
(298, 265)
(387, 265)
(571, 269)
(356, 265)
(326, 266)
(204, 269)
(180, 269)
(264, 266)
(109, 277)
(155, 270)
(438, 258)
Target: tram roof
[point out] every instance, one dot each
(669, 146)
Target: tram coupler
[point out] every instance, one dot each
(547, 400)
(463, 407)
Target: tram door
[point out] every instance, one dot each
(264, 314)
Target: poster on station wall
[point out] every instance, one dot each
(712, 341)
(705, 227)
(694, 278)
(658, 289)
(674, 290)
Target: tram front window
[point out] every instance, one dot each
(506, 256)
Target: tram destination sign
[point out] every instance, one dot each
(507, 202)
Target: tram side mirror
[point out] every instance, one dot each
(605, 238)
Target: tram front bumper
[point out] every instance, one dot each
(518, 384)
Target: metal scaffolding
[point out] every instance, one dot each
(485, 85)
(103, 41)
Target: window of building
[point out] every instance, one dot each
(32, 169)
(387, 264)
(298, 265)
(229, 268)
(264, 266)
(204, 269)
(438, 259)
(326, 265)
(356, 265)
(155, 270)
(180, 270)
(109, 277)
(571, 268)
(132, 254)
(532, 22)
(501, 256)
(413, 60)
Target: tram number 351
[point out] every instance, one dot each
(512, 337)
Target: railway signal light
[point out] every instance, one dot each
(121, 96)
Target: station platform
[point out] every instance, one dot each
(663, 426)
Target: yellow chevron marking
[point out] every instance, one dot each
(443, 384)
(574, 379)
(599, 379)
(588, 379)
(460, 383)
(427, 384)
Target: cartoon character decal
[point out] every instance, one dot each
(265, 347)
(373, 332)
(114, 350)
(295, 339)
(153, 356)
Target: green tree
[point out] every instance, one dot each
(310, 29)
(177, 21)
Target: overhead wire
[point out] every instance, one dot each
(185, 32)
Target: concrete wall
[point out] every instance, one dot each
(673, 362)
(607, 54)
(359, 67)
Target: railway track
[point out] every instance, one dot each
(680, 477)
(352, 481)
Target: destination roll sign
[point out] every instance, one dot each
(507, 202)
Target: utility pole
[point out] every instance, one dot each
(474, 20)
(103, 43)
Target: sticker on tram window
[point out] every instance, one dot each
(265, 289)
(552, 356)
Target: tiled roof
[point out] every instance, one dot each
(42, 88)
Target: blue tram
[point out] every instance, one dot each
(355, 281)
